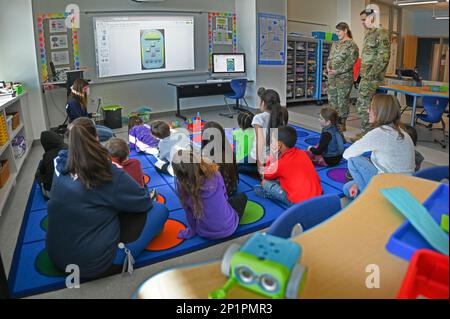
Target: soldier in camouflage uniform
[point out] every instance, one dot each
(342, 58)
(374, 62)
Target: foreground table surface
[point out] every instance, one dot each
(336, 253)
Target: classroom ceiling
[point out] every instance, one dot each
(440, 7)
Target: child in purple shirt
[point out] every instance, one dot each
(210, 214)
(140, 136)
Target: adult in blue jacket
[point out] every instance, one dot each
(96, 209)
(77, 107)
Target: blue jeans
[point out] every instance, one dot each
(104, 133)
(362, 170)
(273, 190)
(154, 224)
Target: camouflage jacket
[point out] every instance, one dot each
(376, 54)
(343, 57)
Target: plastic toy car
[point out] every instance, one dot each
(266, 265)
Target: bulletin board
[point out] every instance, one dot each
(57, 43)
(222, 34)
(271, 39)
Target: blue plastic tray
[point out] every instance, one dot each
(406, 240)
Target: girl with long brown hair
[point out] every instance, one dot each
(94, 206)
(77, 107)
(392, 148)
(200, 187)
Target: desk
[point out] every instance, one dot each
(336, 253)
(415, 92)
(198, 89)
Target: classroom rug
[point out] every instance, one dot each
(32, 272)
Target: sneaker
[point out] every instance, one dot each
(153, 195)
(259, 191)
(357, 137)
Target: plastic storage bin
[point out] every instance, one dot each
(427, 276)
(112, 116)
(4, 172)
(15, 119)
(405, 241)
(4, 136)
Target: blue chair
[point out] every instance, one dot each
(436, 173)
(308, 214)
(434, 108)
(239, 87)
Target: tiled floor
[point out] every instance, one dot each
(121, 286)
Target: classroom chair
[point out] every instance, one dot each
(436, 173)
(308, 214)
(434, 108)
(239, 86)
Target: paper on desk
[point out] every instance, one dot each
(419, 217)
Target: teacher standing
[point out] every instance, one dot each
(343, 56)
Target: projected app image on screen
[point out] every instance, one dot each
(153, 49)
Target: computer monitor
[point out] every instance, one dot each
(228, 64)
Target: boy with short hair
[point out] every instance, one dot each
(289, 175)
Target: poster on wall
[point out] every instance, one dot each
(57, 25)
(271, 39)
(58, 42)
(60, 57)
(222, 33)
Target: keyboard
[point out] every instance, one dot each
(217, 81)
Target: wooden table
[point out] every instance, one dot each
(415, 92)
(336, 253)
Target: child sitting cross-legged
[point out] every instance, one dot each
(392, 148)
(289, 176)
(331, 145)
(119, 152)
(203, 195)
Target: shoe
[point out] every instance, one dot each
(357, 137)
(348, 176)
(153, 195)
(259, 191)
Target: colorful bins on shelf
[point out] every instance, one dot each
(325, 36)
(4, 137)
(427, 276)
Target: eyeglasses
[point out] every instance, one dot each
(267, 282)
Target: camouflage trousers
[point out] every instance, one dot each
(339, 89)
(367, 89)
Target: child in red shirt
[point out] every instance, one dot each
(119, 151)
(289, 175)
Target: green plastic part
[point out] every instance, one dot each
(111, 108)
(445, 222)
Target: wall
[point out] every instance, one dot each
(17, 55)
(139, 90)
(323, 15)
(247, 33)
(272, 76)
(317, 15)
(422, 24)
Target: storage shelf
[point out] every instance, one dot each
(6, 190)
(16, 131)
(3, 148)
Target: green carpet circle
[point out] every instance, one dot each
(44, 223)
(253, 213)
(46, 267)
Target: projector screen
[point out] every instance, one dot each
(139, 45)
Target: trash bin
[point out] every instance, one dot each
(112, 116)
